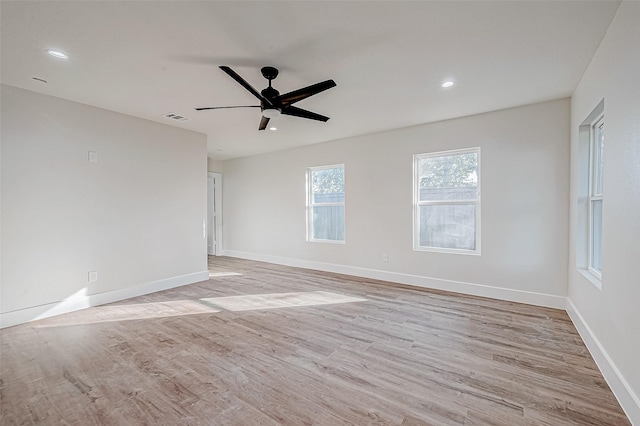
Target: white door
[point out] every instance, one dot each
(214, 213)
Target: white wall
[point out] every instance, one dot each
(214, 165)
(136, 216)
(525, 189)
(609, 319)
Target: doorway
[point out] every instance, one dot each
(214, 214)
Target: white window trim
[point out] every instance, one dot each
(593, 196)
(310, 206)
(583, 173)
(417, 203)
(591, 278)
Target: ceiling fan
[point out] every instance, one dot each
(272, 103)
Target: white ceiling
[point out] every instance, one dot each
(388, 59)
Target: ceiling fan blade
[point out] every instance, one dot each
(303, 113)
(305, 92)
(263, 123)
(225, 107)
(244, 84)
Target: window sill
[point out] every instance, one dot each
(592, 278)
(448, 251)
(327, 241)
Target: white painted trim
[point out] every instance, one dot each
(628, 400)
(591, 277)
(81, 301)
(328, 241)
(531, 298)
(218, 211)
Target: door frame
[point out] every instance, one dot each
(214, 207)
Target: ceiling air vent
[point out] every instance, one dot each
(173, 116)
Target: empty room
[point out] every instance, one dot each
(320, 212)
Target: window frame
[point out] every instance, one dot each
(596, 168)
(311, 204)
(417, 203)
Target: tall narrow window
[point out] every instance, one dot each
(596, 167)
(447, 201)
(325, 203)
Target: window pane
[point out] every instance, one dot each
(327, 223)
(448, 177)
(436, 194)
(327, 185)
(448, 226)
(598, 163)
(596, 235)
(332, 197)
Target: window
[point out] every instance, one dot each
(596, 166)
(325, 204)
(589, 195)
(447, 201)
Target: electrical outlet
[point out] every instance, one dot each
(385, 257)
(93, 157)
(93, 276)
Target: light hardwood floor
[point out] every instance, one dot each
(279, 345)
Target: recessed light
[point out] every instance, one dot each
(447, 84)
(273, 128)
(57, 54)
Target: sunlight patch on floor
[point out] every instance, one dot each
(210, 305)
(224, 274)
(109, 313)
(77, 300)
(279, 300)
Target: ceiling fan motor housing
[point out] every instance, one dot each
(270, 93)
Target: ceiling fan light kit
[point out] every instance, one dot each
(271, 113)
(272, 104)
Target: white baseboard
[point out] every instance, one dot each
(81, 300)
(530, 298)
(628, 400)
